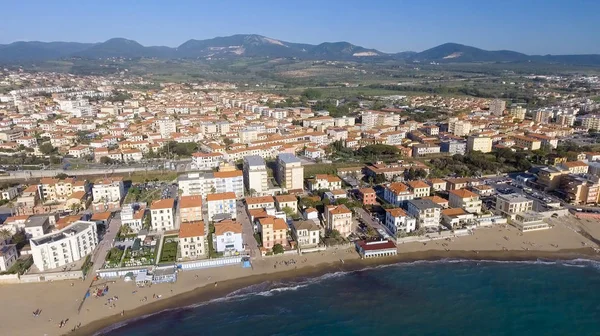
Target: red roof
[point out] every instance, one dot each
(376, 245)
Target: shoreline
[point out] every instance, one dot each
(209, 292)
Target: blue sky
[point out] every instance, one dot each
(529, 26)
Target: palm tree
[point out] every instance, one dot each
(5, 234)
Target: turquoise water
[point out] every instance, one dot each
(422, 298)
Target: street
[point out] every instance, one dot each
(366, 217)
(105, 244)
(247, 231)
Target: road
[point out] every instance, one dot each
(247, 231)
(366, 217)
(106, 243)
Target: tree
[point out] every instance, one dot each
(5, 235)
(228, 142)
(288, 211)
(106, 160)
(20, 239)
(379, 178)
(61, 176)
(278, 249)
(335, 234)
(47, 148)
(311, 94)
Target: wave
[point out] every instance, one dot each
(270, 288)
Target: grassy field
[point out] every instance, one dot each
(326, 168)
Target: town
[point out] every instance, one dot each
(105, 179)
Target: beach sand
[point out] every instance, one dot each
(60, 300)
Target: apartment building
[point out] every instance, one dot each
(255, 175)
(190, 208)
(227, 238)
(286, 201)
(273, 231)
(59, 190)
(65, 246)
(192, 240)
(591, 122)
(511, 204)
(204, 183)
(8, 256)
(107, 193)
(324, 181)
(290, 173)
(459, 127)
(497, 107)
(580, 190)
(425, 149)
(132, 215)
(207, 160)
(575, 167)
(464, 199)
(260, 202)
(221, 206)
(419, 188)
(426, 212)
(162, 215)
(479, 143)
(367, 195)
(526, 142)
(398, 221)
(306, 233)
(339, 218)
(397, 193)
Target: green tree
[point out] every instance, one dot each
(288, 211)
(47, 148)
(312, 94)
(106, 160)
(278, 249)
(61, 176)
(5, 235)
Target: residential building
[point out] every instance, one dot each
(162, 214)
(479, 143)
(204, 183)
(543, 116)
(324, 181)
(273, 231)
(580, 189)
(65, 246)
(36, 226)
(190, 209)
(575, 167)
(397, 193)
(367, 195)
(207, 160)
(398, 221)
(426, 212)
(227, 238)
(549, 177)
(339, 218)
(260, 202)
(132, 215)
(453, 218)
(221, 205)
(255, 175)
(107, 193)
(518, 112)
(290, 173)
(511, 204)
(191, 240)
(526, 142)
(419, 188)
(306, 233)
(424, 149)
(464, 199)
(459, 127)
(8, 256)
(438, 200)
(497, 107)
(286, 201)
(9, 193)
(437, 184)
(591, 122)
(453, 147)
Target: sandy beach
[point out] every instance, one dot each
(60, 300)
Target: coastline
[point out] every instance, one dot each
(209, 292)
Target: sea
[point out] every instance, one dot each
(446, 297)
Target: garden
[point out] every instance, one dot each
(169, 250)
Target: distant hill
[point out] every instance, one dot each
(252, 45)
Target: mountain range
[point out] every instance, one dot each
(251, 45)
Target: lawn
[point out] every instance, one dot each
(169, 252)
(113, 258)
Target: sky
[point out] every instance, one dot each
(528, 26)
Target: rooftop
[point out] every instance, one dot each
(288, 158)
(424, 204)
(191, 229)
(254, 160)
(70, 230)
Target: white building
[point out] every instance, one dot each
(204, 183)
(107, 193)
(398, 221)
(228, 237)
(290, 173)
(64, 247)
(426, 212)
(10, 193)
(207, 160)
(255, 174)
(162, 214)
(221, 204)
(8, 256)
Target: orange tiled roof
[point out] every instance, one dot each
(191, 229)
